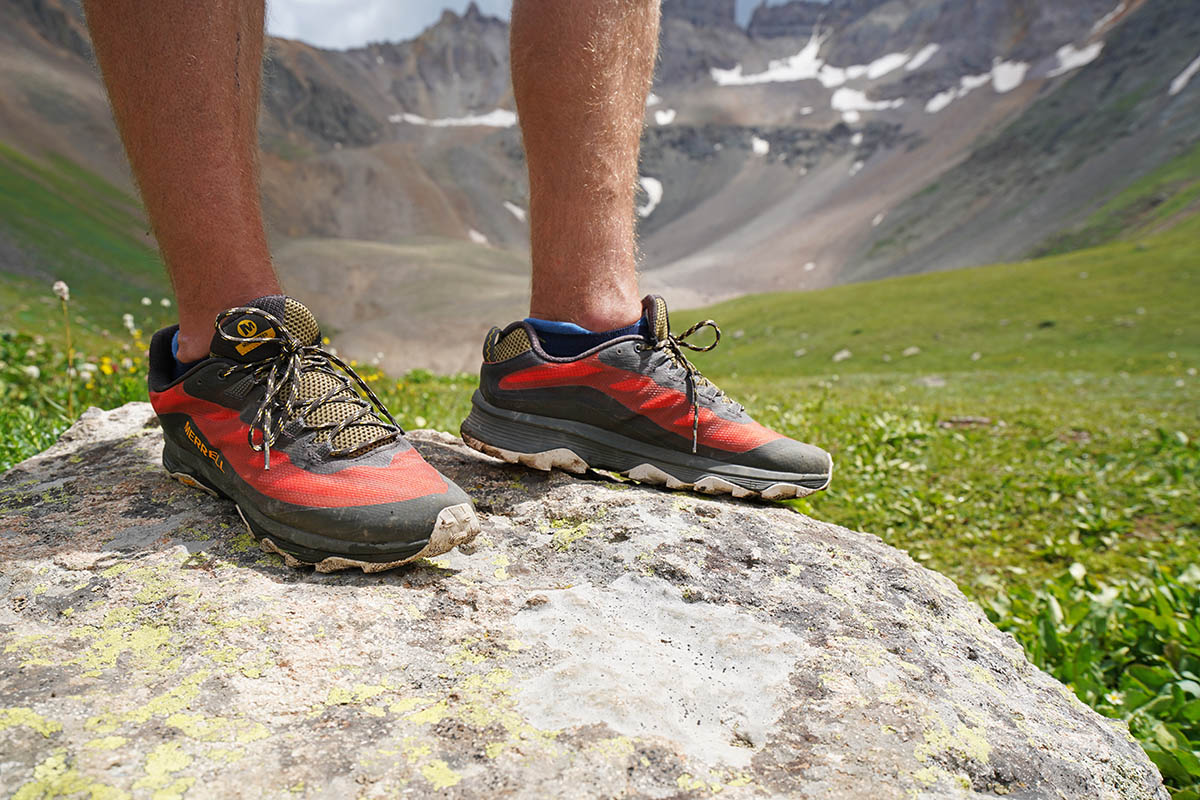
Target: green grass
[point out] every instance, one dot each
(70, 224)
(1040, 448)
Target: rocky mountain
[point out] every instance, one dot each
(824, 142)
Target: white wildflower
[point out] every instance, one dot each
(32, 372)
(909, 352)
(145, 301)
(165, 303)
(841, 355)
(61, 289)
(127, 321)
(976, 356)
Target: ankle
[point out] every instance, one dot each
(599, 312)
(192, 347)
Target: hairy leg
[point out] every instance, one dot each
(581, 71)
(183, 79)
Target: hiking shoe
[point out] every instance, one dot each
(319, 470)
(633, 405)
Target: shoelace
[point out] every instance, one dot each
(282, 374)
(674, 345)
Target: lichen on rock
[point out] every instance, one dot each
(602, 640)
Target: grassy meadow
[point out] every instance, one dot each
(1031, 430)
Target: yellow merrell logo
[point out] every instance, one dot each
(204, 449)
(247, 328)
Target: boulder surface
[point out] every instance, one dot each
(602, 640)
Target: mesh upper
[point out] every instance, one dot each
(300, 321)
(315, 384)
(510, 346)
(662, 324)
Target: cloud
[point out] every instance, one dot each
(341, 24)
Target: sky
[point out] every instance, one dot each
(340, 24)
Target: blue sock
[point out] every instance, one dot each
(566, 339)
(180, 367)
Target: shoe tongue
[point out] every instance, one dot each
(250, 324)
(298, 321)
(655, 310)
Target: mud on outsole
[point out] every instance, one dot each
(569, 461)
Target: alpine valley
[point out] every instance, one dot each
(822, 143)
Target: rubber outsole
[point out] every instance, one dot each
(455, 526)
(481, 425)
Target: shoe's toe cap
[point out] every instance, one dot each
(802, 462)
(387, 526)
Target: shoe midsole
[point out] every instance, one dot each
(524, 433)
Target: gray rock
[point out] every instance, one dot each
(603, 640)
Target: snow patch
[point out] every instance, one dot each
(664, 117)
(856, 139)
(760, 147)
(1004, 77)
(515, 210)
(885, 64)
(856, 167)
(652, 100)
(851, 117)
(1008, 75)
(500, 118)
(1184, 77)
(654, 195)
(940, 100)
(476, 237)
(804, 112)
(854, 100)
(922, 57)
(1109, 17)
(808, 65)
(1071, 58)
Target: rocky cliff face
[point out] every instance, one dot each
(602, 640)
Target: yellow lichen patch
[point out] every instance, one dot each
(12, 717)
(500, 562)
(149, 647)
(981, 675)
(36, 655)
(406, 704)
(566, 534)
(616, 747)
(689, 783)
(163, 760)
(962, 742)
(226, 755)
(464, 655)
(243, 543)
(431, 715)
(53, 777)
(106, 743)
(170, 702)
(218, 729)
(357, 694)
(439, 774)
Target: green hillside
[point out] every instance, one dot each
(1125, 306)
(59, 221)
